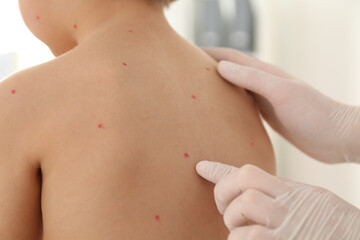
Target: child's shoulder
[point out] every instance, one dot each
(28, 89)
(28, 100)
(22, 99)
(14, 96)
(17, 90)
(17, 114)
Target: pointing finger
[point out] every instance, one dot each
(213, 171)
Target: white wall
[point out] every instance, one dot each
(181, 17)
(8, 64)
(319, 42)
(15, 37)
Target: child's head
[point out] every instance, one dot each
(56, 21)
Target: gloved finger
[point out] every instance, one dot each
(213, 171)
(231, 55)
(252, 79)
(252, 232)
(255, 206)
(247, 177)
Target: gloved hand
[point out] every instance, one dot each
(281, 209)
(319, 126)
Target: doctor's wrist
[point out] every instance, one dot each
(347, 127)
(344, 132)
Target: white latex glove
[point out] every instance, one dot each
(281, 209)
(319, 126)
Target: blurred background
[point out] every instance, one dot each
(317, 41)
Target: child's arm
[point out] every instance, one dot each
(20, 181)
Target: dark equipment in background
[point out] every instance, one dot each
(214, 30)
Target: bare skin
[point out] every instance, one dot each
(117, 143)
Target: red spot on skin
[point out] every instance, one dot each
(193, 96)
(125, 64)
(252, 144)
(37, 17)
(13, 91)
(131, 31)
(75, 26)
(101, 126)
(157, 217)
(208, 69)
(186, 155)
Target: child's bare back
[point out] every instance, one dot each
(116, 126)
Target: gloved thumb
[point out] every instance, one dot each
(213, 171)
